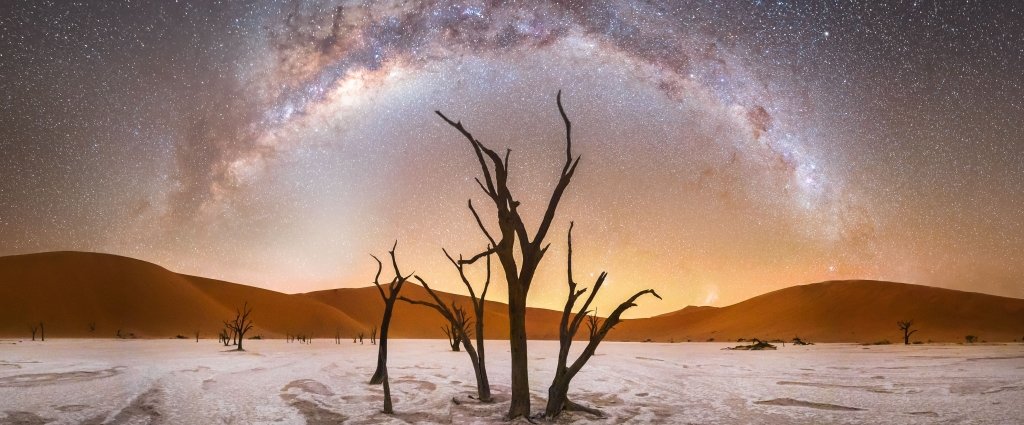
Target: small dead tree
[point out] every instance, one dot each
(337, 336)
(224, 337)
(34, 330)
(42, 331)
(360, 337)
(197, 335)
(456, 316)
(907, 332)
(92, 327)
(394, 288)
(451, 332)
(558, 399)
(240, 325)
(373, 336)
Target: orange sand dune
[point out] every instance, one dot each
(68, 290)
(843, 311)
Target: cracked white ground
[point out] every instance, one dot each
(184, 382)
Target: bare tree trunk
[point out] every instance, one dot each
(456, 316)
(382, 348)
(42, 331)
(387, 391)
(394, 288)
(520, 403)
(558, 391)
(34, 329)
(531, 248)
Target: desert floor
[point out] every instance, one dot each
(181, 381)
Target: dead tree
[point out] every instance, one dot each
(905, 327)
(519, 267)
(451, 332)
(337, 336)
(224, 337)
(373, 336)
(92, 327)
(42, 331)
(197, 335)
(240, 325)
(456, 316)
(34, 329)
(360, 337)
(394, 288)
(558, 399)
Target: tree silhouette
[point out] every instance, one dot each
(452, 334)
(905, 327)
(456, 316)
(373, 336)
(394, 287)
(558, 400)
(240, 325)
(34, 330)
(519, 267)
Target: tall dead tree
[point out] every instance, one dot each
(519, 267)
(907, 332)
(456, 316)
(240, 325)
(394, 287)
(558, 399)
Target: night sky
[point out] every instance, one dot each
(729, 148)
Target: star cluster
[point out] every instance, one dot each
(729, 148)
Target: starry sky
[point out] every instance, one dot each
(729, 148)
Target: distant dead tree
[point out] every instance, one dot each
(42, 331)
(971, 339)
(240, 325)
(92, 327)
(118, 334)
(459, 322)
(519, 267)
(907, 332)
(558, 400)
(197, 335)
(373, 336)
(34, 330)
(380, 376)
(452, 333)
(360, 337)
(337, 336)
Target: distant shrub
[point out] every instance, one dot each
(971, 339)
(882, 342)
(918, 342)
(180, 337)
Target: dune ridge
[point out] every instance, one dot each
(70, 290)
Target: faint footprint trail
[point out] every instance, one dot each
(143, 409)
(37, 379)
(808, 404)
(312, 410)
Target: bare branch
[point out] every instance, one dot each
(480, 223)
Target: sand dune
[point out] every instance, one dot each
(844, 311)
(68, 290)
